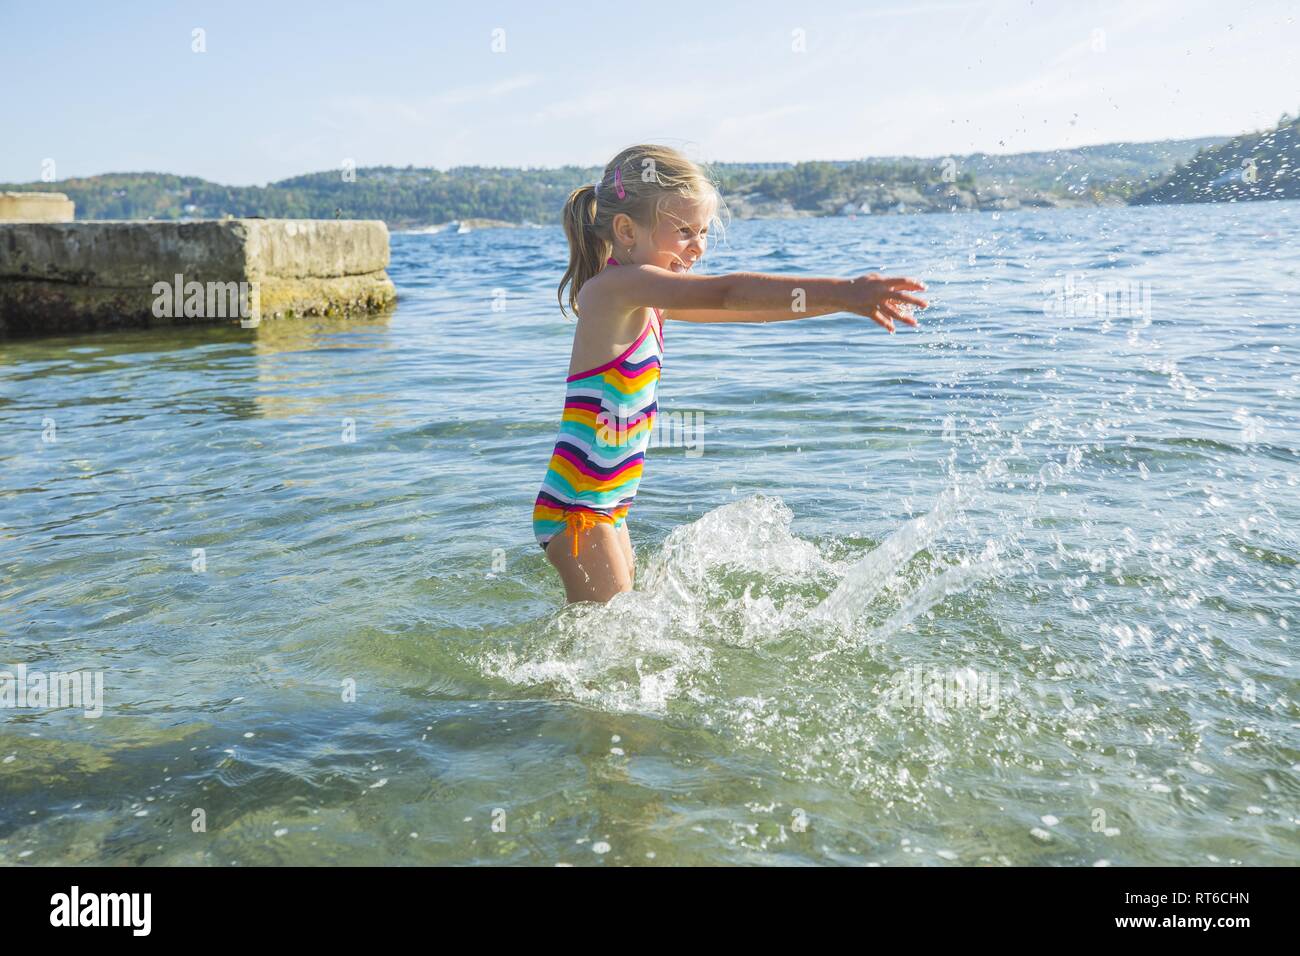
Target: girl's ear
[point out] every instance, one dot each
(624, 229)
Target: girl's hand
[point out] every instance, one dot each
(885, 300)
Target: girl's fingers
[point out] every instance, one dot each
(881, 320)
(899, 282)
(910, 299)
(897, 316)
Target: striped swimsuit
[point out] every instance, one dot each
(609, 412)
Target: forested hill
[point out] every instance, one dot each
(417, 196)
(414, 196)
(1264, 165)
(1109, 165)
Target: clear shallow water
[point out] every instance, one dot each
(1071, 536)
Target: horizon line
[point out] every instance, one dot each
(710, 162)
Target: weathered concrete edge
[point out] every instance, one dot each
(36, 207)
(58, 278)
(313, 248)
(122, 253)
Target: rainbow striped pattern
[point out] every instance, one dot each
(609, 412)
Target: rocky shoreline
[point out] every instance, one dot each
(896, 200)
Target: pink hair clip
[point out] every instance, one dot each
(618, 182)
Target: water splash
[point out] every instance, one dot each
(739, 578)
(864, 580)
(733, 577)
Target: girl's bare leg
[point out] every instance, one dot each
(627, 551)
(601, 568)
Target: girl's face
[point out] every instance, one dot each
(679, 241)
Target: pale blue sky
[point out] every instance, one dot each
(288, 88)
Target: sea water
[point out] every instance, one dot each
(1018, 587)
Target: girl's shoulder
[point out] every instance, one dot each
(604, 332)
(593, 296)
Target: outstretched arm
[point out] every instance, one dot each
(752, 315)
(757, 297)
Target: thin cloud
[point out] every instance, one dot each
(428, 110)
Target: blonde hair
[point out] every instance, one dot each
(650, 176)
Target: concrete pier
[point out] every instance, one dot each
(57, 278)
(36, 207)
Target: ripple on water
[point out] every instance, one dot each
(1014, 588)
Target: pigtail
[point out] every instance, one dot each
(587, 251)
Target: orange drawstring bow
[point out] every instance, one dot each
(579, 521)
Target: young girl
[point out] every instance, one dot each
(633, 239)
